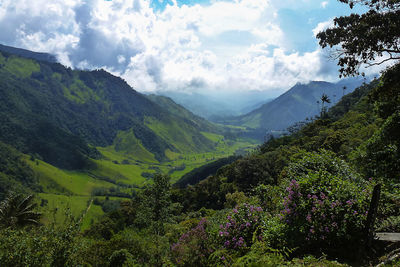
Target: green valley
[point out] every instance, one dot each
(88, 135)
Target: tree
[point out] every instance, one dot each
(362, 39)
(16, 210)
(324, 99)
(154, 204)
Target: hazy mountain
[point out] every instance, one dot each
(298, 103)
(214, 105)
(61, 114)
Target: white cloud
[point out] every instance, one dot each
(236, 45)
(324, 4)
(322, 26)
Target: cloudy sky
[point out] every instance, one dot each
(184, 45)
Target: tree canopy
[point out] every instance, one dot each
(371, 38)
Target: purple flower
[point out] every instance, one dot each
(313, 209)
(248, 224)
(235, 210)
(226, 244)
(308, 218)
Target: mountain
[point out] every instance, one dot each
(293, 106)
(214, 105)
(178, 110)
(61, 115)
(28, 54)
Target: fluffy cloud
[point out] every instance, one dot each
(235, 45)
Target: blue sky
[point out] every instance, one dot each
(239, 45)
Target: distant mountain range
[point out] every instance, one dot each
(298, 103)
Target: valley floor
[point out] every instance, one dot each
(116, 176)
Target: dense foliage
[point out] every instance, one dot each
(15, 175)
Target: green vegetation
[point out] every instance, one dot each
(18, 211)
(298, 200)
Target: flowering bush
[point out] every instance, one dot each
(240, 227)
(192, 247)
(325, 210)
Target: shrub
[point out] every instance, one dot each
(192, 247)
(122, 258)
(325, 210)
(240, 227)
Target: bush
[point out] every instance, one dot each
(192, 247)
(239, 230)
(325, 210)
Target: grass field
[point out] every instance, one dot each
(71, 191)
(55, 180)
(57, 208)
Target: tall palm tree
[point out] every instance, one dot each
(324, 99)
(17, 210)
